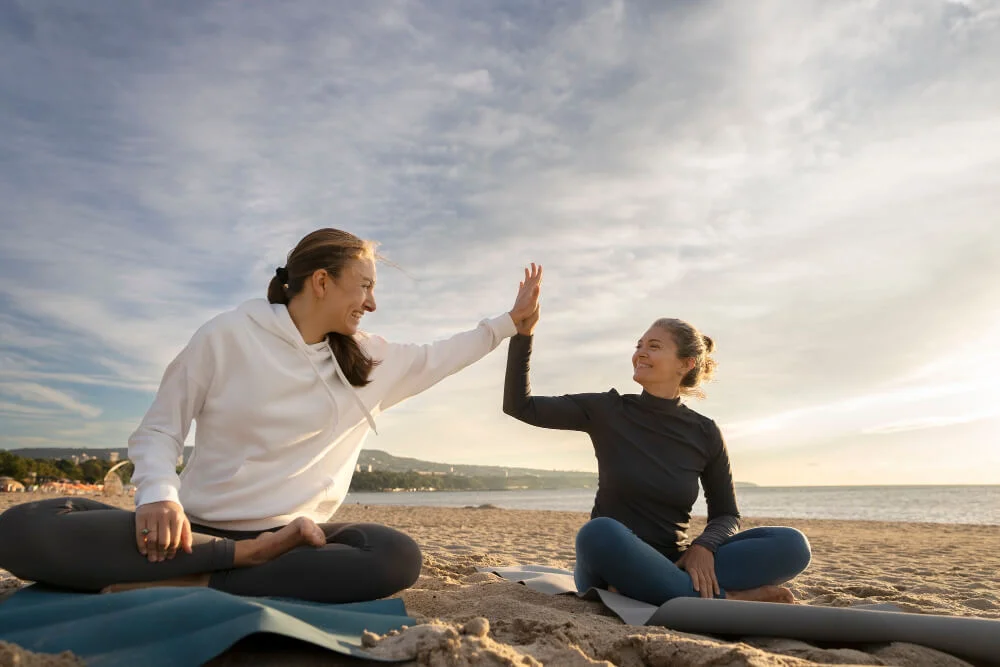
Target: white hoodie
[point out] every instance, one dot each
(279, 427)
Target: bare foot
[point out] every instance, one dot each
(261, 549)
(763, 594)
(268, 546)
(193, 580)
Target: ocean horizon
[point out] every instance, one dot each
(971, 504)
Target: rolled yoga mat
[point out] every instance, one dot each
(976, 639)
(972, 638)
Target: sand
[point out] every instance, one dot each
(470, 618)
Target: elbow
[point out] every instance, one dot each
(509, 405)
(517, 410)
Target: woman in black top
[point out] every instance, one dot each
(651, 452)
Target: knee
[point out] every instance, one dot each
(15, 531)
(598, 535)
(796, 549)
(400, 563)
(7, 533)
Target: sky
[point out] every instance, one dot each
(815, 185)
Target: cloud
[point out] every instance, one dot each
(934, 421)
(812, 185)
(37, 393)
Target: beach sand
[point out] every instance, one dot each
(467, 617)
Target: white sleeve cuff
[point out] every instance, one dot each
(156, 493)
(503, 326)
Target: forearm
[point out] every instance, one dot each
(416, 368)
(717, 531)
(517, 387)
(155, 455)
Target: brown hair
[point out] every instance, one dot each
(329, 250)
(691, 343)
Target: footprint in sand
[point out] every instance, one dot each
(871, 590)
(982, 604)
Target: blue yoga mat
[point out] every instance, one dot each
(164, 627)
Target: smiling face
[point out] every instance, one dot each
(655, 363)
(348, 296)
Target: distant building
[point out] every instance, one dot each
(113, 457)
(10, 485)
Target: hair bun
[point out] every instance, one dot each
(709, 344)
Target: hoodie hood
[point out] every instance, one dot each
(273, 318)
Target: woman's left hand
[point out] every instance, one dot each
(526, 303)
(699, 562)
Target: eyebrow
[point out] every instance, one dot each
(653, 340)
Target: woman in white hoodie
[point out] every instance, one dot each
(284, 392)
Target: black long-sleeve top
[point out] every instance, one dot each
(650, 452)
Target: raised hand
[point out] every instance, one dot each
(526, 310)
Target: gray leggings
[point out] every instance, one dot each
(85, 545)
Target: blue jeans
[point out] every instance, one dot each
(609, 554)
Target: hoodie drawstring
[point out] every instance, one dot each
(354, 393)
(343, 378)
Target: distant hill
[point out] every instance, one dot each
(376, 458)
(380, 460)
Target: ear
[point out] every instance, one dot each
(689, 364)
(320, 282)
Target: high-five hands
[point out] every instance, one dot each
(526, 308)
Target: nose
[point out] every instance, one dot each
(370, 303)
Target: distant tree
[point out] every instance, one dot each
(93, 470)
(12, 465)
(46, 470)
(69, 469)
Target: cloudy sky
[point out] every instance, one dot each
(815, 185)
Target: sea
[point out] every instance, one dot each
(923, 504)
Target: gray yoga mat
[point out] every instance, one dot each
(976, 639)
